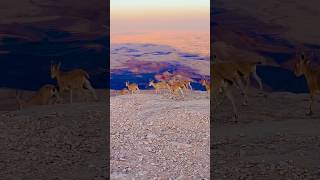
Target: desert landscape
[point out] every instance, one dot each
(158, 133)
(160, 109)
(63, 140)
(273, 137)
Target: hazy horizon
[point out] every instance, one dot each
(178, 23)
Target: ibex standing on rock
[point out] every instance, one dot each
(158, 86)
(132, 87)
(312, 75)
(226, 74)
(72, 80)
(175, 87)
(206, 84)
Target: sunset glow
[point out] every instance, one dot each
(158, 21)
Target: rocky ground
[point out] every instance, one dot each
(155, 136)
(65, 141)
(273, 139)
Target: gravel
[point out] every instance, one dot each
(154, 136)
(66, 141)
(272, 140)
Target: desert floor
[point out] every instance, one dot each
(155, 136)
(65, 141)
(274, 139)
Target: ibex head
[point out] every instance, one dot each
(301, 65)
(51, 90)
(203, 81)
(55, 70)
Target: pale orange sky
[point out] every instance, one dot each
(179, 23)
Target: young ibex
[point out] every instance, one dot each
(243, 71)
(175, 87)
(246, 61)
(124, 91)
(205, 83)
(47, 94)
(224, 76)
(158, 86)
(132, 87)
(185, 82)
(312, 75)
(72, 80)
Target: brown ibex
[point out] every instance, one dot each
(312, 75)
(158, 86)
(72, 80)
(132, 87)
(47, 94)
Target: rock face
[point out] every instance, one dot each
(84, 18)
(294, 19)
(34, 33)
(273, 29)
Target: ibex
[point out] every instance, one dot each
(247, 69)
(241, 71)
(312, 75)
(206, 84)
(174, 87)
(246, 61)
(124, 91)
(224, 76)
(47, 94)
(185, 82)
(159, 85)
(132, 87)
(72, 80)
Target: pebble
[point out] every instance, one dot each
(143, 143)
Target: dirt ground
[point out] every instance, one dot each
(273, 139)
(65, 141)
(155, 137)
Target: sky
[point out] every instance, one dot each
(152, 21)
(162, 15)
